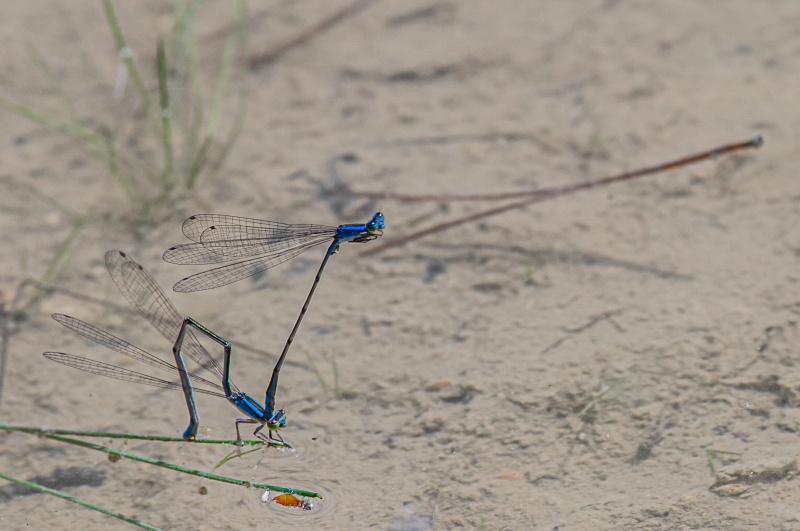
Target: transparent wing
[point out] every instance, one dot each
(123, 347)
(112, 371)
(220, 238)
(227, 274)
(146, 296)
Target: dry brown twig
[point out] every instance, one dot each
(533, 196)
(259, 60)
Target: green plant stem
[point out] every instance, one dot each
(73, 499)
(182, 469)
(320, 379)
(226, 68)
(187, 66)
(75, 130)
(233, 455)
(711, 456)
(53, 269)
(337, 390)
(133, 436)
(166, 118)
(97, 145)
(126, 56)
(43, 432)
(55, 82)
(151, 180)
(204, 156)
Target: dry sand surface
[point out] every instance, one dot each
(620, 358)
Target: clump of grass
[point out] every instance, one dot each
(589, 409)
(714, 456)
(180, 139)
(183, 133)
(329, 390)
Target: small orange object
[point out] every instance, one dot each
(290, 500)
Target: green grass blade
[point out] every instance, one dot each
(132, 436)
(320, 378)
(55, 81)
(49, 434)
(189, 68)
(217, 159)
(337, 390)
(166, 117)
(226, 67)
(233, 134)
(199, 162)
(211, 153)
(126, 56)
(98, 146)
(188, 135)
(74, 499)
(126, 181)
(233, 455)
(56, 266)
(182, 469)
(71, 128)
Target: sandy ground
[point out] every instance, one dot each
(577, 364)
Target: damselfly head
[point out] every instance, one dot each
(277, 420)
(376, 224)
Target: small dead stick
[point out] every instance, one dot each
(535, 196)
(557, 191)
(262, 59)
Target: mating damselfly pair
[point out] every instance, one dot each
(215, 239)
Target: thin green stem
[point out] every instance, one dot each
(187, 64)
(151, 180)
(126, 56)
(337, 390)
(125, 180)
(315, 370)
(97, 145)
(712, 454)
(599, 395)
(135, 436)
(226, 68)
(166, 118)
(73, 129)
(43, 432)
(56, 265)
(74, 499)
(179, 468)
(234, 455)
(55, 81)
(211, 153)
(233, 134)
